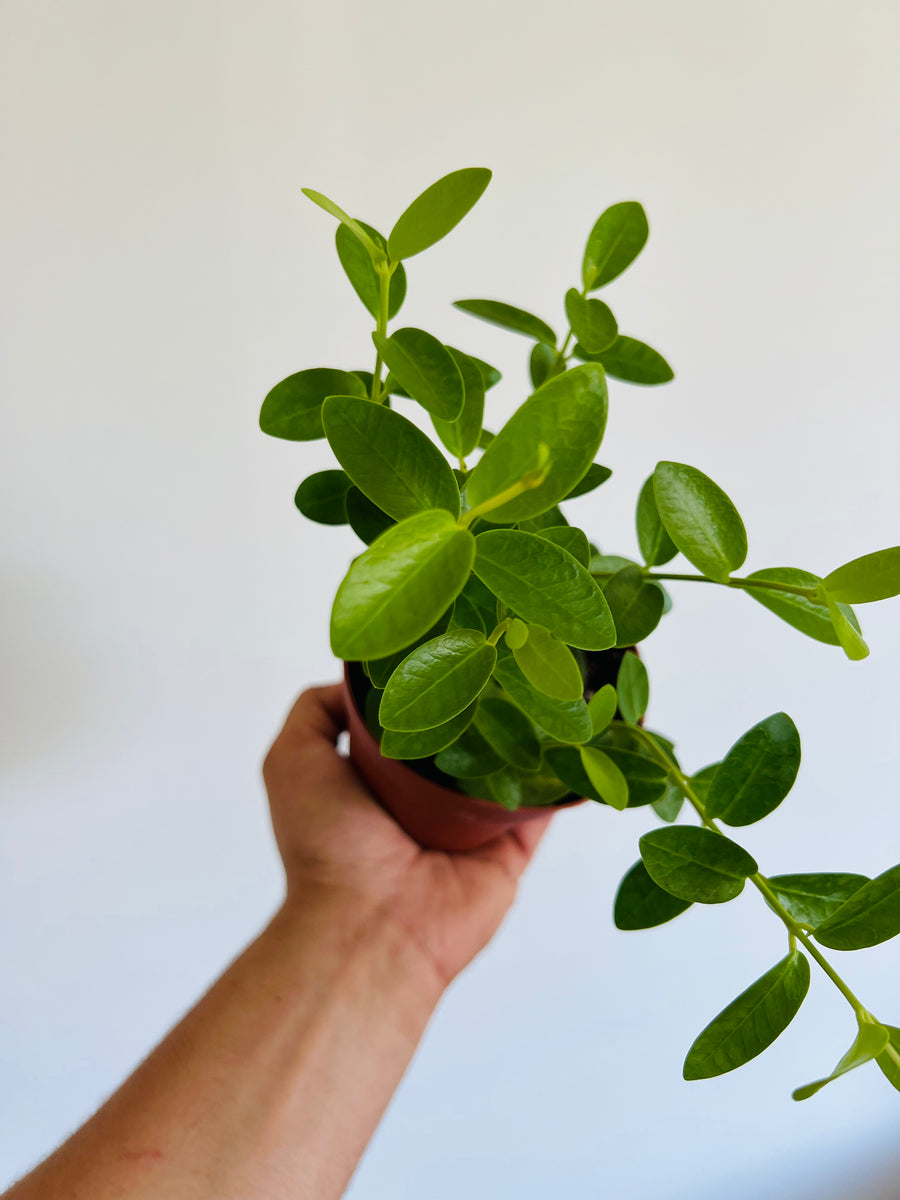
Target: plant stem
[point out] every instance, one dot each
(384, 289)
(532, 480)
(809, 593)
(499, 631)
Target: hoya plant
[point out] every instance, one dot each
(497, 645)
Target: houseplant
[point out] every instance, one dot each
(490, 647)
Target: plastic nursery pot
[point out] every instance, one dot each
(435, 815)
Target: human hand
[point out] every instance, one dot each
(336, 840)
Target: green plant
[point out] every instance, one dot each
(478, 609)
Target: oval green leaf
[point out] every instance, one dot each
(423, 743)
(757, 772)
(469, 757)
(565, 720)
(700, 519)
(360, 270)
(388, 458)
(752, 1022)
(592, 322)
(396, 590)
(631, 361)
(595, 475)
(573, 541)
(495, 312)
(616, 240)
(849, 637)
(864, 580)
(293, 408)
(548, 664)
(696, 864)
(812, 898)
(803, 613)
(357, 229)
(437, 681)
(545, 585)
(606, 778)
(642, 904)
(602, 706)
(543, 363)
(869, 917)
(425, 369)
(436, 211)
(632, 688)
(366, 519)
(380, 670)
(636, 605)
(508, 732)
(656, 545)
(461, 436)
(322, 497)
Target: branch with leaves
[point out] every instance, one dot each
(480, 613)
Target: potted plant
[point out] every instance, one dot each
(490, 655)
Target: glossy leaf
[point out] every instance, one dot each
(373, 248)
(866, 579)
(506, 787)
(548, 664)
(642, 904)
(543, 363)
(890, 1063)
(322, 497)
(565, 762)
(602, 706)
(752, 1022)
(809, 616)
(508, 732)
(757, 772)
(461, 436)
(631, 361)
(546, 586)
(605, 777)
(870, 1043)
(388, 458)
(423, 743)
(366, 519)
(614, 243)
(701, 781)
(632, 688)
(360, 270)
(565, 720)
(293, 408)
(567, 414)
(592, 322)
(517, 320)
(380, 670)
(551, 519)
(869, 917)
(593, 478)
(696, 864)
(636, 605)
(437, 681)
(670, 803)
(848, 636)
(398, 588)
(645, 777)
(425, 369)
(436, 211)
(813, 898)
(700, 519)
(573, 541)
(656, 545)
(469, 757)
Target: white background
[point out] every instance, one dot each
(163, 602)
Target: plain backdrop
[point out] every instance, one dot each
(163, 602)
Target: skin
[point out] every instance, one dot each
(272, 1086)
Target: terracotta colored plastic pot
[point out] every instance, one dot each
(437, 817)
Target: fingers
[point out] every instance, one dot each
(318, 715)
(515, 849)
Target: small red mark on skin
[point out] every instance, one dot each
(141, 1155)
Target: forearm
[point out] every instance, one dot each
(272, 1085)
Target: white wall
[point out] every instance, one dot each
(163, 603)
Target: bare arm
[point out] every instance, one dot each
(273, 1084)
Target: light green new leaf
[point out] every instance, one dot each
(568, 415)
(469, 757)
(602, 706)
(437, 681)
(436, 211)
(700, 519)
(646, 778)
(595, 475)
(632, 688)
(517, 635)
(425, 369)
(656, 545)
(388, 458)
(757, 772)
(398, 588)
(812, 898)
(869, 917)
(548, 664)
(543, 363)
(614, 243)
(636, 605)
(809, 616)
(642, 904)
(870, 1043)
(631, 361)
(495, 312)
(573, 541)
(293, 408)
(375, 251)
(366, 519)
(605, 776)
(360, 270)
(752, 1022)
(423, 743)
(592, 322)
(696, 864)
(850, 639)
(508, 732)
(864, 580)
(546, 586)
(461, 436)
(890, 1063)
(564, 720)
(322, 497)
